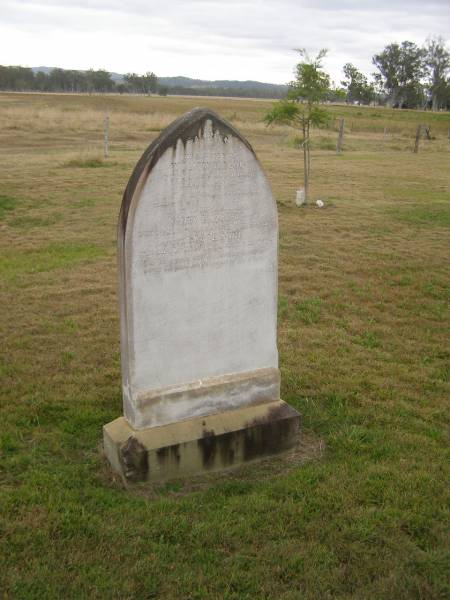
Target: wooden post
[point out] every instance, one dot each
(106, 136)
(340, 136)
(385, 133)
(416, 144)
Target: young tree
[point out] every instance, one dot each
(301, 110)
(401, 67)
(357, 87)
(437, 59)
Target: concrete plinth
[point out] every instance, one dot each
(201, 444)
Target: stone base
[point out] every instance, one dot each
(200, 445)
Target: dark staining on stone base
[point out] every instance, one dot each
(265, 436)
(134, 459)
(272, 433)
(208, 446)
(172, 452)
(211, 444)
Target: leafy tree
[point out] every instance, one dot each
(16, 78)
(358, 89)
(41, 81)
(132, 82)
(336, 94)
(58, 81)
(301, 110)
(99, 81)
(149, 83)
(401, 67)
(142, 84)
(437, 59)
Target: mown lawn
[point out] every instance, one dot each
(364, 288)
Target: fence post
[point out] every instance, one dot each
(416, 144)
(106, 136)
(340, 136)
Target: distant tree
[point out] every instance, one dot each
(301, 110)
(437, 60)
(141, 84)
(132, 82)
(149, 83)
(336, 94)
(163, 90)
(358, 89)
(400, 70)
(58, 81)
(41, 81)
(99, 81)
(77, 80)
(16, 78)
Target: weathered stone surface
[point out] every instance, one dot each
(198, 276)
(198, 238)
(203, 444)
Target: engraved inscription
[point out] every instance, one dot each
(211, 223)
(200, 277)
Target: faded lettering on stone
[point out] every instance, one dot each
(199, 273)
(193, 237)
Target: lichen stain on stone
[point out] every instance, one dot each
(161, 454)
(212, 446)
(175, 452)
(134, 458)
(270, 434)
(227, 447)
(168, 452)
(207, 444)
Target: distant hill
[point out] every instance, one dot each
(225, 87)
(45, 70)
(187, 82)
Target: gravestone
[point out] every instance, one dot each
(197, 245)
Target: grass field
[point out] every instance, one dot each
(364, 289)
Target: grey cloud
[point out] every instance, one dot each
(234, 34)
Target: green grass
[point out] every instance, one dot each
(88, 163)
(28, 222)
(308, 310)
(421, 215)
(16, 264)
(7, 204)
(361, 513)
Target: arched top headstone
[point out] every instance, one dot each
(198, 240)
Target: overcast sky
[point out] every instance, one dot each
(211, 39)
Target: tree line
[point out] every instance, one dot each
(406, 76)
(64, 80)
